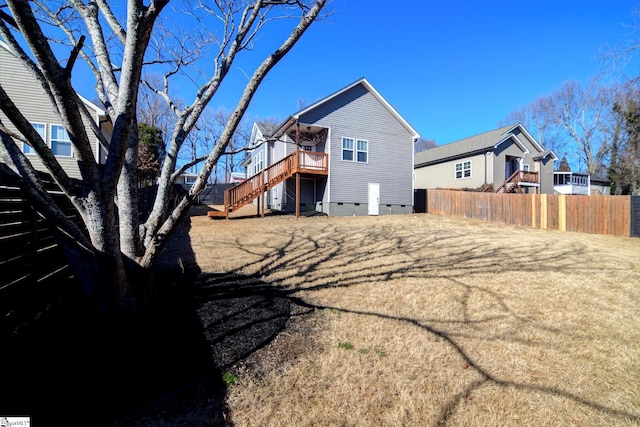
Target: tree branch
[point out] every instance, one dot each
(186, 166)
(157, 241)
(72, 58)
(37, 195)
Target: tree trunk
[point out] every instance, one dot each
(110, 267)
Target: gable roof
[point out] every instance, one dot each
(266, 128)
(476, 144)
(362, 81)
(99, 111)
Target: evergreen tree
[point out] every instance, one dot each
(564, 165)
(151, 149)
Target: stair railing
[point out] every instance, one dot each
(518, 177)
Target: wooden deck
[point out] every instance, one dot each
(298, 162)
(517, 180)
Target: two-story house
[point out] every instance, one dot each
(507, 159)
(31, 100)
(351, 153)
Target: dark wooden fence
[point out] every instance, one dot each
(34, 273)
(585, 214)
(34, 270)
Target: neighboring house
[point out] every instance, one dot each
(507, 159)
(186, 180)
(237, 177)
(350, 153)
(600, 186)
(32, 101)
(578, 183)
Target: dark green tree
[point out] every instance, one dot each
(151, 149)
(564, 165)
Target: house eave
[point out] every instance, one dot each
(519, 143)
(451, 158)
(526, 132)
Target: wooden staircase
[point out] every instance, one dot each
(302, 162)
(513, 184)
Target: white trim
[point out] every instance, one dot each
(51, 125)
(93, 106)
(462, 169)
(519, 143)
(355, 159)
(32, 151)
(354, 150)
(526, 132)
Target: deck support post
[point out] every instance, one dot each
(298, 173)
(227, 204)
(297, 195)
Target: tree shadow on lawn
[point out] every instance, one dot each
(162, 367)
(333, 259)
(166, 367)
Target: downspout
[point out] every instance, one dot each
(485, 167)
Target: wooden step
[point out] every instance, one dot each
(216, 214)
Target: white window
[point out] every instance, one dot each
(258, 162)
(41, 129)
(355, 150)
(60, 141)
(362, 151)
(347, 149)
(190, 180)
(526, 167)
(463, 170)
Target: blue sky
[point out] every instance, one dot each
(452, 69)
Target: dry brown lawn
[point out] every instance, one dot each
(420, 320)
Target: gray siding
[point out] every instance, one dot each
(32, 101)
(357, 114)
(546, 175)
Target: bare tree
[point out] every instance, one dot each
(585, 114)
(574, 121)
(534, 117)
(116, 252)
(238, 145)
(423, 144)
(624, 169)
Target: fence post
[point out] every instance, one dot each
(543, 211)
(534, 208)
(562, 212)
(426, 201)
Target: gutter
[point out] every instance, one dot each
(455, 157)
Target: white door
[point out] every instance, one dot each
(374, 198)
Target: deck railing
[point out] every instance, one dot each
(517, 178)
(252, 187)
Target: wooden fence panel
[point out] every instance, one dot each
(585, 214)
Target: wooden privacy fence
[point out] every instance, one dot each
(34, 272)
(585, 214)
